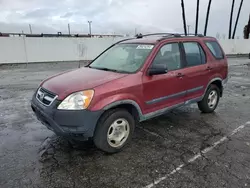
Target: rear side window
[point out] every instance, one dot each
(195, 55)
(215, 49)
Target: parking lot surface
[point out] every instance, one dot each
(183, 148)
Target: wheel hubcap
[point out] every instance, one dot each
(212, 99)
(118, 132)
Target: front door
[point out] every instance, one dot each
(165, 90)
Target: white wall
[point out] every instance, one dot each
(12, 50)
(239, 46)
(22, 50)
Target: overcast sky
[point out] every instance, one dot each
(119, 16)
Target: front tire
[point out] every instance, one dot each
(210, 100)
(114, 130)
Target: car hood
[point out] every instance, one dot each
(80, 79)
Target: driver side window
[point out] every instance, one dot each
(170, 55)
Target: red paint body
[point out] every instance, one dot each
(139, 87)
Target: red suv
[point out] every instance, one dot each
(130, 82)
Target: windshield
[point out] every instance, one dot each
(123, 58)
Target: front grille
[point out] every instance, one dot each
(45, 97)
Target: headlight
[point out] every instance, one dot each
(77, 101)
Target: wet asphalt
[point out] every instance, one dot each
(32, 156)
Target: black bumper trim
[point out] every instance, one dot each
(69, 123)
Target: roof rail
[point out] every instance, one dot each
(167, 35)
(192, 34)
(123, 40)
(179, 35)
(153, 34)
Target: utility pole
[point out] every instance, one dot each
(90, 22)
(69, 28)
(231, 20)
(30, 29)
(237, 19)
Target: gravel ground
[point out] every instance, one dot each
(183, 148)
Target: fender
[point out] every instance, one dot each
(115, 100)
(209, 83)
(125, 101)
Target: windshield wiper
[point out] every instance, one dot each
(107, 69)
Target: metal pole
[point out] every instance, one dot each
(69, 28)
(90, 28)
(207, 17)
(231, 19)
(197, 17)
(30, 29)
(237, 19)
(184, 17)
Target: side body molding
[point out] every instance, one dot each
(150, 115)
(127, 101)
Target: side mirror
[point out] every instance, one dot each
(157, 69)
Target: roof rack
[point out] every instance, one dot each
(192, 34)
(155, 34)
(151, 34)
(166, 35)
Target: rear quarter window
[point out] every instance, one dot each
(215, 49)
(194, 54)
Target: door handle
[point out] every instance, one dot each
(179, 75)
(209, 68)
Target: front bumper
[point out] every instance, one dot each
(69, 123)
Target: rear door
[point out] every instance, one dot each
(218, 63)
(196, 70)
(165, 90)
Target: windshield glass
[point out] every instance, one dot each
(123, 58)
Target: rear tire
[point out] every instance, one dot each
(114, 130)
(210, 99)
